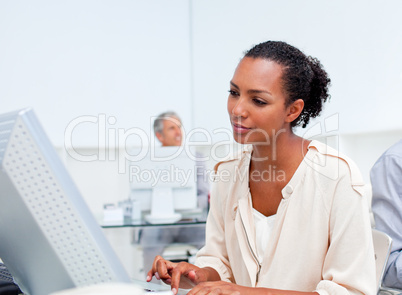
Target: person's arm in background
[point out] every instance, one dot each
(386, 181)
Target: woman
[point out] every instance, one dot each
(291, 218)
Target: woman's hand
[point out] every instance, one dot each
(203, 280)
(220, 287)
(226, 288)
(180, 275)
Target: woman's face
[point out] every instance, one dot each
(256, 102)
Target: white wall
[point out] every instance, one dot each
(133, 59)
(366, 148)
(358, 43)
(126, 59)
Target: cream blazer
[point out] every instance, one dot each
(321, 239)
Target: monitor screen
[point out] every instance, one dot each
(49, 239)
(164, 177)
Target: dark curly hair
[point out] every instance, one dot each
(303, 77)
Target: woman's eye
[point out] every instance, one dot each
(259, 102)
(233, 93)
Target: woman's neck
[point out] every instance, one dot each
(283, 151)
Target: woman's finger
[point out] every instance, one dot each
(163, 266)
(160, 269)
(180, 276)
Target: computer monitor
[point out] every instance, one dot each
(164, 180)
(50, 241)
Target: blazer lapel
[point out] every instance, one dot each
(244, 225)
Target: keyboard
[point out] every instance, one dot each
(7, 285)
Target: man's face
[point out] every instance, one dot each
(171, 134)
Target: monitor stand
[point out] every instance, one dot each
(162, 206)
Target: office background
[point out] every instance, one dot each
(91, 68)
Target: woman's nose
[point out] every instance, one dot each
(240, 108)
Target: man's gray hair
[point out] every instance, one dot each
(158, 123)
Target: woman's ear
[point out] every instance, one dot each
(294, 110)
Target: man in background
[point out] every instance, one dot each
(168, 130)
(386, 181)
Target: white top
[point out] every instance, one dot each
(322, 238)
(263, 228)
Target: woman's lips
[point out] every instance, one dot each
(237, 128)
